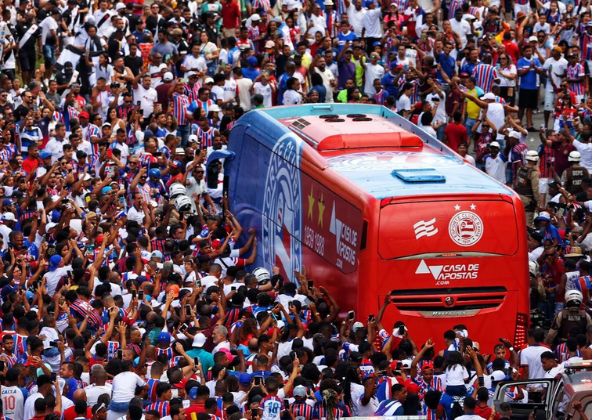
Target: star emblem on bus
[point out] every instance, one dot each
(456, 207)
(311, 204)
(321, 205)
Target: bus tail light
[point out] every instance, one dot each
(520, 331)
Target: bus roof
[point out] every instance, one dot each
(380, 152)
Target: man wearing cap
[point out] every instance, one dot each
(527, 184)
(204, 357)
(300, 408)
(495, 163)
(573, 177)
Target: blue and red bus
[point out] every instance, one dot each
(371, 204)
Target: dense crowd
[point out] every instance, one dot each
(127, 287)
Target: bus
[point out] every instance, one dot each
(370, 204)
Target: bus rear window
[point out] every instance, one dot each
(447, 227)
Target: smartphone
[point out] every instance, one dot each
(53, 344)
(109, 153)
(139, 103)
(311, 284)
(188, 310)
(286, 404)
(53, 377)
(120, 354)
(196, 361)
(1, 365)
(183, 328)
(350, 314)
(140, 295)
(293, 355)
(233, 288)
(401, 329)
(255, 412)
(371, 317)
(257, 381)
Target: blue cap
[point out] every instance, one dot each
(55, 216)
(7, 202)
(106, 190)
(164, 337)
(45, 155)
(54, 262)
(245, 379)
(252, 61)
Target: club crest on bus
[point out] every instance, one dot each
(465, 228)
(282, 209)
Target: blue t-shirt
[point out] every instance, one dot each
(530, 79)
(387, 81)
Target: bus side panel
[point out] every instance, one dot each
(332, 229)
(266, 194)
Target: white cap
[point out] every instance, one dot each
(533, 38)
(357, 325)
(199, 340)
(179, 151)
(532, 155)
(269, 44)
(328, 3)
(49, 226)
(574, 156)
(208, 80)
(255, 17)
(168, 76)
(193, 138)
(87, 177)
(120, 6)
(488, 97)
(514, 134)
(495, 144)
(214, 108)
(9, 217)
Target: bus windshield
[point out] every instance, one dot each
(447, 228)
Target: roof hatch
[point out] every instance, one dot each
(419, 176)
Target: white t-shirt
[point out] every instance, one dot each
(12, 402)
(530, 356)
(48, 25)
(29, 408)
(456, 375)
(92, 392)
(146, 97)
(267, 93)
(586, 154)
(462, 29)
(194, 63)
(244, 88)
(372, 72)
(496, 167)
(356, 18)
(403, 103)
(556, 370)
(53, 277)
(558, 72)
(291, 97)
(469, 417)
(123, 386)
(372, 23)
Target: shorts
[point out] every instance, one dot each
(27, 60)
(528, 98)
(549, 99)
(48, 52)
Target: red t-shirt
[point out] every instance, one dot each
(70, 414)
(483, 411)
(30, 164)
(231, 14)
(455, 135)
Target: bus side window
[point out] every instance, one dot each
(363, 238)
